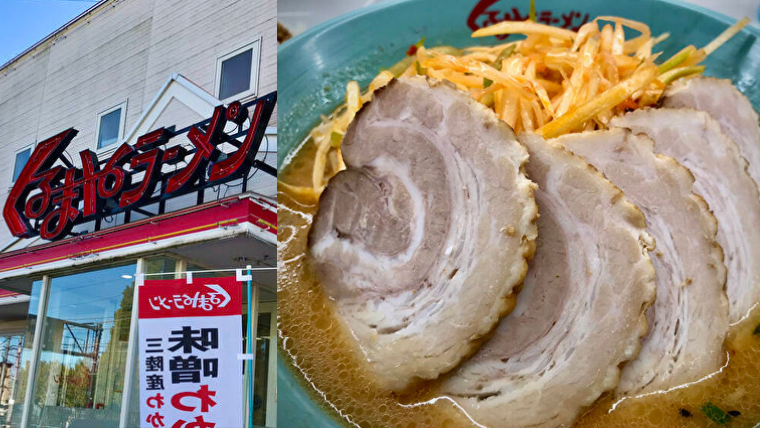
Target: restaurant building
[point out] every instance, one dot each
(139, 141)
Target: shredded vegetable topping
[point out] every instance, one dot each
(553, 82)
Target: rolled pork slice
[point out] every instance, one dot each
(720, 98)
(582, 311)
(689, 320)
(422, 242)
(696, 141)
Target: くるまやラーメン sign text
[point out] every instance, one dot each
(190, 338)
(489, 12)
(51, 195)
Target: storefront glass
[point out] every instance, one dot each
(262, 393)
(80, 373)
(161, 264)
(17, 365)
(11, 350)
(153, 266)
(82, 357)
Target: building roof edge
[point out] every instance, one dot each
(55, 33)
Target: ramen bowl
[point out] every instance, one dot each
(314, 67)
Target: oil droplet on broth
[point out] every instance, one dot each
(320, 346)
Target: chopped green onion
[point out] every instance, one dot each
(532, 13)
(487, 100)
(400, 67)
(677, 73)
(336, 138)
(487, 82)
(448, 50)
(421, 71)
(421, 43)
(506, 53)
(676, 59)
(715, 413)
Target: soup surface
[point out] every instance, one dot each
(325, 357)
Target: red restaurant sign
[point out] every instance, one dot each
(51, 196)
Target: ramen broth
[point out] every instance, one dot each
(327, 360)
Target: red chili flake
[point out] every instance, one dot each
(628, 104)
(412, 50)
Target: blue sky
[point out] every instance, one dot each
(25, 22)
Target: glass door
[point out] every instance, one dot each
(265, 380)
(11, 349)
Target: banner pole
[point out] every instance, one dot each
(251, 338)
(130, 395)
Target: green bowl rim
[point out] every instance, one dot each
(329, 24)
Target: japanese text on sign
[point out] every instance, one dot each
(188, 355)
(217, 298)
(486, 13)
(51, 196)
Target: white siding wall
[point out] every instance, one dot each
(125, 50)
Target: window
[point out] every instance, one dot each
(83, 349)
(11, 350)
(111, 125)
(22, 157)
(237, 72)
(14, 359)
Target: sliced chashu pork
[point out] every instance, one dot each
(689, 319)
(728, 106)
(423, 240)
(696, 141)
(582, 309)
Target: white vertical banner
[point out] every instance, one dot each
(190, 336)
